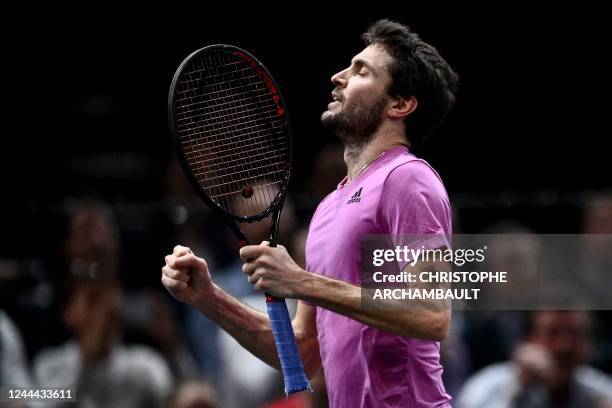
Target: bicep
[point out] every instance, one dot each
(436, 312)
(425, 281)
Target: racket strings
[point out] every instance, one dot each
(258, 200)
(232, 134)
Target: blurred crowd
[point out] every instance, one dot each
(87, 317)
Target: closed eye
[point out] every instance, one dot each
(361, 67)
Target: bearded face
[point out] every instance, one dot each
(360, 97)
(355, 119)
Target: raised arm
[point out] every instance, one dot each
(188, 279)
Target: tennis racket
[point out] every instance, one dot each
(233, 140)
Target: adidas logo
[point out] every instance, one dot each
(356, 197)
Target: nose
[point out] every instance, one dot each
(339, 78)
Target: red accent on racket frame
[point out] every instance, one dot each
(267, 80)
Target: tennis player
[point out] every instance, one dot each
(392, 96)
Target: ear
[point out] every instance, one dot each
(402, 107)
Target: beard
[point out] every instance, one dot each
(356, 122)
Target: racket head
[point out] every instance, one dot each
(231, 131)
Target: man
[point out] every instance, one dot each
(394, 93)
(548, 369)
(94, 363)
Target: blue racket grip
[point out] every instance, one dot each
(293, 370)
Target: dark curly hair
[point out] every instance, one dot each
(417, 70)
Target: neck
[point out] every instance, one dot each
(357, 157)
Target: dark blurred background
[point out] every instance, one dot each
(85, 97)
(86, 100)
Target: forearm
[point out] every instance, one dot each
(251, 328)
(420, 321)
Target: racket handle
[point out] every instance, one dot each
(291, 364)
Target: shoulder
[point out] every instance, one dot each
(415, 175)
(413, 199)
(413, 185)
(10, 338)
(323, 203)
(595, 381)
(489, 384)
(57, 364)
(141, 357)
(327, 198)
(62, 353)
(13, 365)
(146, 363)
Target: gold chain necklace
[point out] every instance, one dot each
(367, 164)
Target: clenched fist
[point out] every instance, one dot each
(272, 270)
(186, 276)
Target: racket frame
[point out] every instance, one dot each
(277, 203)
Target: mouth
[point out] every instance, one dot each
(336, 101)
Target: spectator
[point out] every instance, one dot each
(547, 370)
(94, 363)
